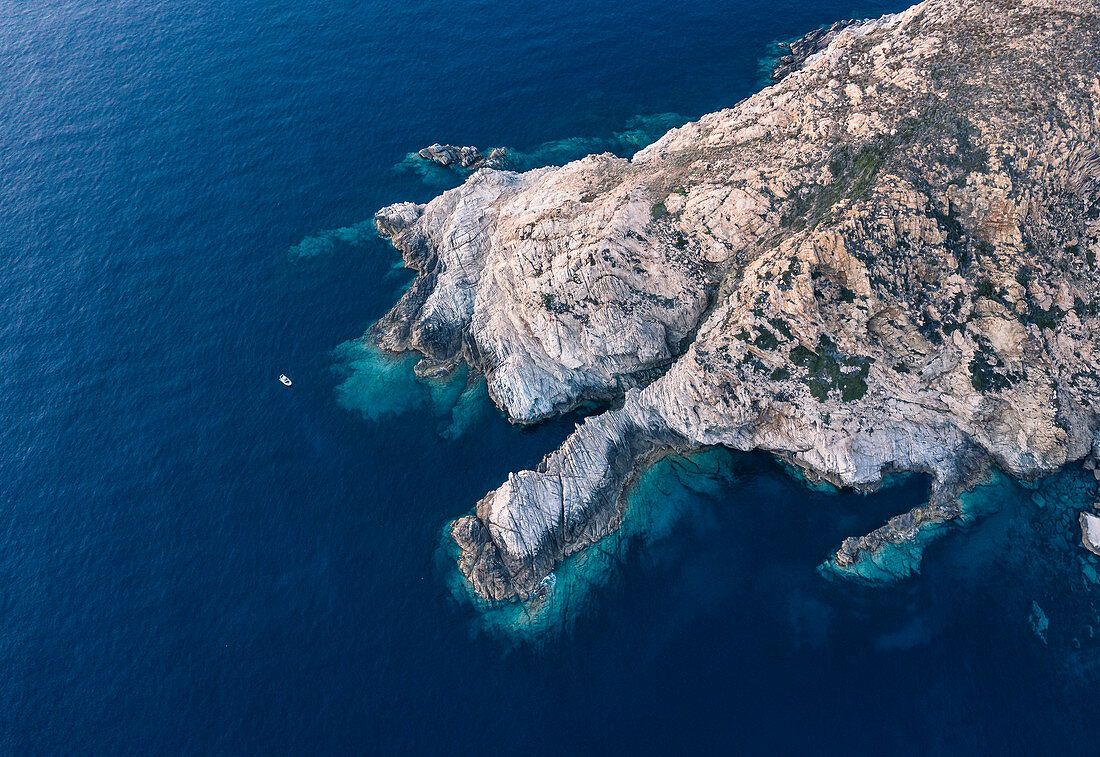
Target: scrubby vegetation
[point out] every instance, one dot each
(828, 370)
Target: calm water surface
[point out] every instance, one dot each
(195, 559)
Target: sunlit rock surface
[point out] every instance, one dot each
(1090, 532)
(885, 262)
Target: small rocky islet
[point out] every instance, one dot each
(468, 157)
(884, 262)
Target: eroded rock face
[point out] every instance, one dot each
(885, 262)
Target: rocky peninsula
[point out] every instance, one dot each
(886, 261)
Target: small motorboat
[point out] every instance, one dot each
(285, 380)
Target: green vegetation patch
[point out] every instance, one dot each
(1044, 319)
(827, 370)
(1084, 309)
(855, 170)
(765, 340)
(781, 326)
(987, 370)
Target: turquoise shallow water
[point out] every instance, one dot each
(196, 559)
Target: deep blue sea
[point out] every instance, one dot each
(195, 559)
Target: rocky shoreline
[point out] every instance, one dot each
(884, 262)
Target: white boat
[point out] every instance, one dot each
(285, 380)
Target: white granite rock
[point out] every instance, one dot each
(1090, 532)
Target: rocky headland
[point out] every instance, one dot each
(884, 262)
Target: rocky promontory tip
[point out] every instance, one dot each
(885, 262)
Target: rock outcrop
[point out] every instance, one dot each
(799, 51)
(1090, 532)
(469, 158)
(887, 261)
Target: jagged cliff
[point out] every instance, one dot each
(886, 261)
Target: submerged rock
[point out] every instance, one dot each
(885, 262)
(1039, 621)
